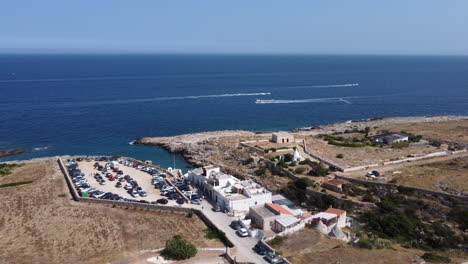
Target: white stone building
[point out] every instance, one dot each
(282, 137)
(228, 192)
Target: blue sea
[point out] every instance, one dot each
(97, 104)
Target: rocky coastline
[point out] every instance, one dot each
(196, 148)
(11, 152)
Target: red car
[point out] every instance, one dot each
(111, 178)
(115, 170)
(136, 165)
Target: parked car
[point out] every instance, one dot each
(235, 225)
(102, 182)
(260, 249)
(180, 201)
(162, 201)
(142, 193)
(118, 185)
(216, 209)
(134, 194)
(128, 186)
(242, 232)
(271, 257)
(196, 201)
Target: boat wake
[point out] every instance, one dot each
(300, 101)
(154, 99)
(40, 148)
(327, 86)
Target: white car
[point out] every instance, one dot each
(242, 232)
(128, 186)
(167, 188)
(135, 194)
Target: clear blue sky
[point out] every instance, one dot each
(241, 26)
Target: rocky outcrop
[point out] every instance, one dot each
(196, 147)
(11, 152)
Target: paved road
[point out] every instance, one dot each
(244, 245)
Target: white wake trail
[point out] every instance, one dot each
(301, 101)
(326, 86)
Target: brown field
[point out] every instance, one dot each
(452, 130)
(448, 176)
(309, 247)
(364, 155)
(40, 224)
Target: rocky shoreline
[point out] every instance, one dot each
(11, 152)
(196, 147)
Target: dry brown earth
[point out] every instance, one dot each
(40, 224)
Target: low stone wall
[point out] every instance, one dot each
(422, 191)
(68, 180)
(251, 148)
(431, 155)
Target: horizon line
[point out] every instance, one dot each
(234, 54)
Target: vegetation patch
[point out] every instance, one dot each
(431, 257)
(15, 184)
(276, 241)
(179, 249)
(397, 218)
(6, 168)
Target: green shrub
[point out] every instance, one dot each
(283, 164)
(435, 143)
(339, 156)
(303, 183)
(6, 168)
(431, 257)
(459, 215)
(248, 161)
(318, 169)
(178, 249)
(365, 243)
(276, 241)
(288, 157)
(300, 170)
(260, 172)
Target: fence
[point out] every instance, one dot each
(423, 191)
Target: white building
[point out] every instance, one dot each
(282, 137)
(228, 192)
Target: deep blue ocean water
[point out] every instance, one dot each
(97, 104)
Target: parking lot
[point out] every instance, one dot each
(138, 179)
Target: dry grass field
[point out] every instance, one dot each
(452, 130)
(40, 224)
(448, 176)
(309, 247)
(360, 156)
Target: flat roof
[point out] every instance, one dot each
(323, 215)
(282, 133)
(263, 211)
(287, 221)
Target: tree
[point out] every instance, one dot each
(178, 249)
(366, 132)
